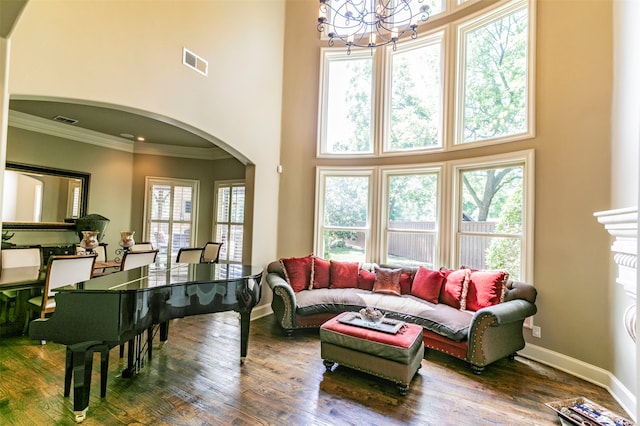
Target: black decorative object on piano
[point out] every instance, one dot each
(119, 308)
(92, 222)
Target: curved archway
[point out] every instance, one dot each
(127, 124)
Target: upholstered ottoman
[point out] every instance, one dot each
(394, 357)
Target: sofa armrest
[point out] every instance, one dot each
(496, 331)
(283, 302)
(506, 312)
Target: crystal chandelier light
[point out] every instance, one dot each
(370, 23)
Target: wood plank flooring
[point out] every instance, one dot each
(196, 379)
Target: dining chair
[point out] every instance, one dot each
(62, 271)
(190, 255)
(135, 259)
(211, 252)
(16, 258)
(144, 246)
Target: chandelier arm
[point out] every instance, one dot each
(390, 20)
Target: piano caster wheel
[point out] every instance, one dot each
(242, 358)
(81, 415)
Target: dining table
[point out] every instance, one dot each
(28, 281)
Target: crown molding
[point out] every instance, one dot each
(65, 131)
(48, 127)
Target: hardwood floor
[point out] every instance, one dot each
(196, 379)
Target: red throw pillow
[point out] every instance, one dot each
(427, 284)
(297, 272)
(486, 288)
(454, 289)
(320, 272)
(343, 274)
(405, 283)
(366, 279)
(387, 281)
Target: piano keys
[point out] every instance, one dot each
(118, 308)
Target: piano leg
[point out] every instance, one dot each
(164, 331)
(130, 370)
(90, 348)
(245, 319)
(81, 360)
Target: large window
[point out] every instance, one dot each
(229, 220)
(464, 83)
(490, 201)
(347, 103)
(344, 214)
(492, 223)
(171, 207)
(493, 88)
(415, 110)
(410, 218)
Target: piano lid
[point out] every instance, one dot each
(155, 276)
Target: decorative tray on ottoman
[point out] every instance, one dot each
(582, 412)
(386, 325)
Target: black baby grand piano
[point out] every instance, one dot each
(119, 308)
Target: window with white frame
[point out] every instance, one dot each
(171, 207)
(491, 207)
(344, 208)
(347, 103)
(493, 213)
(415, 96)
(410, 217)
(493, 66)
(464, 83)
(229, 220)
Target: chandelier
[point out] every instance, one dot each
(370, 23)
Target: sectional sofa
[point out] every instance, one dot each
(476, 316)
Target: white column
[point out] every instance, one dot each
(622, 224)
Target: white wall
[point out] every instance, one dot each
(129, 54)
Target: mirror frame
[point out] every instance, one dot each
(30, 168)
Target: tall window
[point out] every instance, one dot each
(463, 83)
(415, 117)
(170, 215)
(229, 220)
(489, 222)
(344, 210)
(347, 103)
(411, 225)
(490, 201)
(493, 62)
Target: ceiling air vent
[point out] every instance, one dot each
(194, 61)
(65, 120)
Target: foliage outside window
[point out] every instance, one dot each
(345, 214)
(490, 226)
(494, 61)
(491, 57)
(493, 208)
(347, 120)
(416, 96)
(411, 221)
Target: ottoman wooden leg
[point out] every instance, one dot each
(403, 389)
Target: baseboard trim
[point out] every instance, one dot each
(588, 372)
(261, 311)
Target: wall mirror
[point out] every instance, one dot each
(42, 197)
